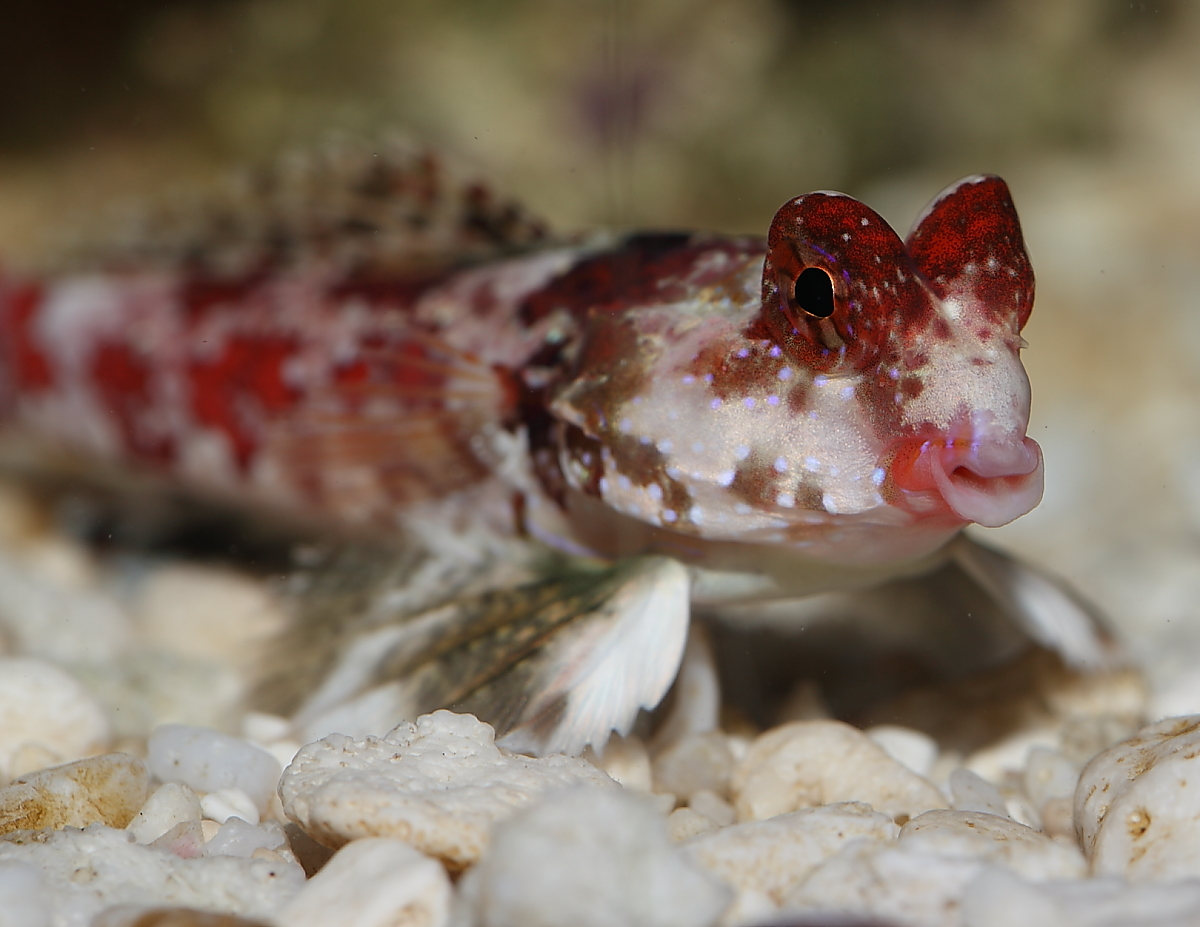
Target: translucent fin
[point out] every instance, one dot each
(554, 665)
(389, 207)
(1043, 606)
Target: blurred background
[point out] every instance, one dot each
(710, 114)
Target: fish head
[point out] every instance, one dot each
(841, 392)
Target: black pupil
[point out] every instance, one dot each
(814, 293)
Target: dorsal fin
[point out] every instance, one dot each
(386, 209)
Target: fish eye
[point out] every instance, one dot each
(813, 293)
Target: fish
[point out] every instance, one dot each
(632, 426)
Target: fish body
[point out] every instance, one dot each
(826, 405)
(665, 391)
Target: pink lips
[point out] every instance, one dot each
(989, 482)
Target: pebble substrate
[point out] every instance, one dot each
(140, 792)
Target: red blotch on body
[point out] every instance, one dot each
(124, 382)
(241, 388)
(29, 368)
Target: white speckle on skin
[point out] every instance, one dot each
(696, 514)
(781, 465)
(725, 477)
(743, 352)
(708, 378)
(603, 485)
(814, 414)
(664, 445)
(847, 392)
(742, 451)
(715, 404)
(624, 482)
(742, 508)
(829, 504)
(898, 399)
(749, 402)
(785, 373)
(625, 426)
(697, 447)
(772, 400)
(811, 464)
(820, 379)
(845, 236)
(775, 351)
(878, 475)
(654, 491)
(674, 473)
(668, 516)
(786, 499)
(687, 379)
(864, 221)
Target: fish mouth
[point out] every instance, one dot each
(989, 481)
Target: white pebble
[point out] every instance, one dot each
(1049, 775)
(373, 882)
(237, 837)
(171, 804)
(625, 759)
(42, 705)
(206, 612)
(1137, 804)
(995, 839)
(914, 749)
(809, 763)
(439, 783)
(770, 857)
(971, 792)
(889, 883)
(86, 871)
(224, 804)
(713, 806)
(208, 760)
(590, 858)
(23, 901)
(697, 762)
(999, 898)
(685, 823)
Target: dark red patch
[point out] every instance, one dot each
(646, 270)
(29, 368)
(243, 384)
(975, 225)
(200, 294)
(123, 380)
(738, 368)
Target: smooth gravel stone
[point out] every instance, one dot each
(589, 857)
(1137, 805)
(810, 763)
(373, 882)
(171, 804)
(107, 789)
(770, 857)
(971, 792)
(41, 706)
(208, 760)
(1000, 898)
(996, 839)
